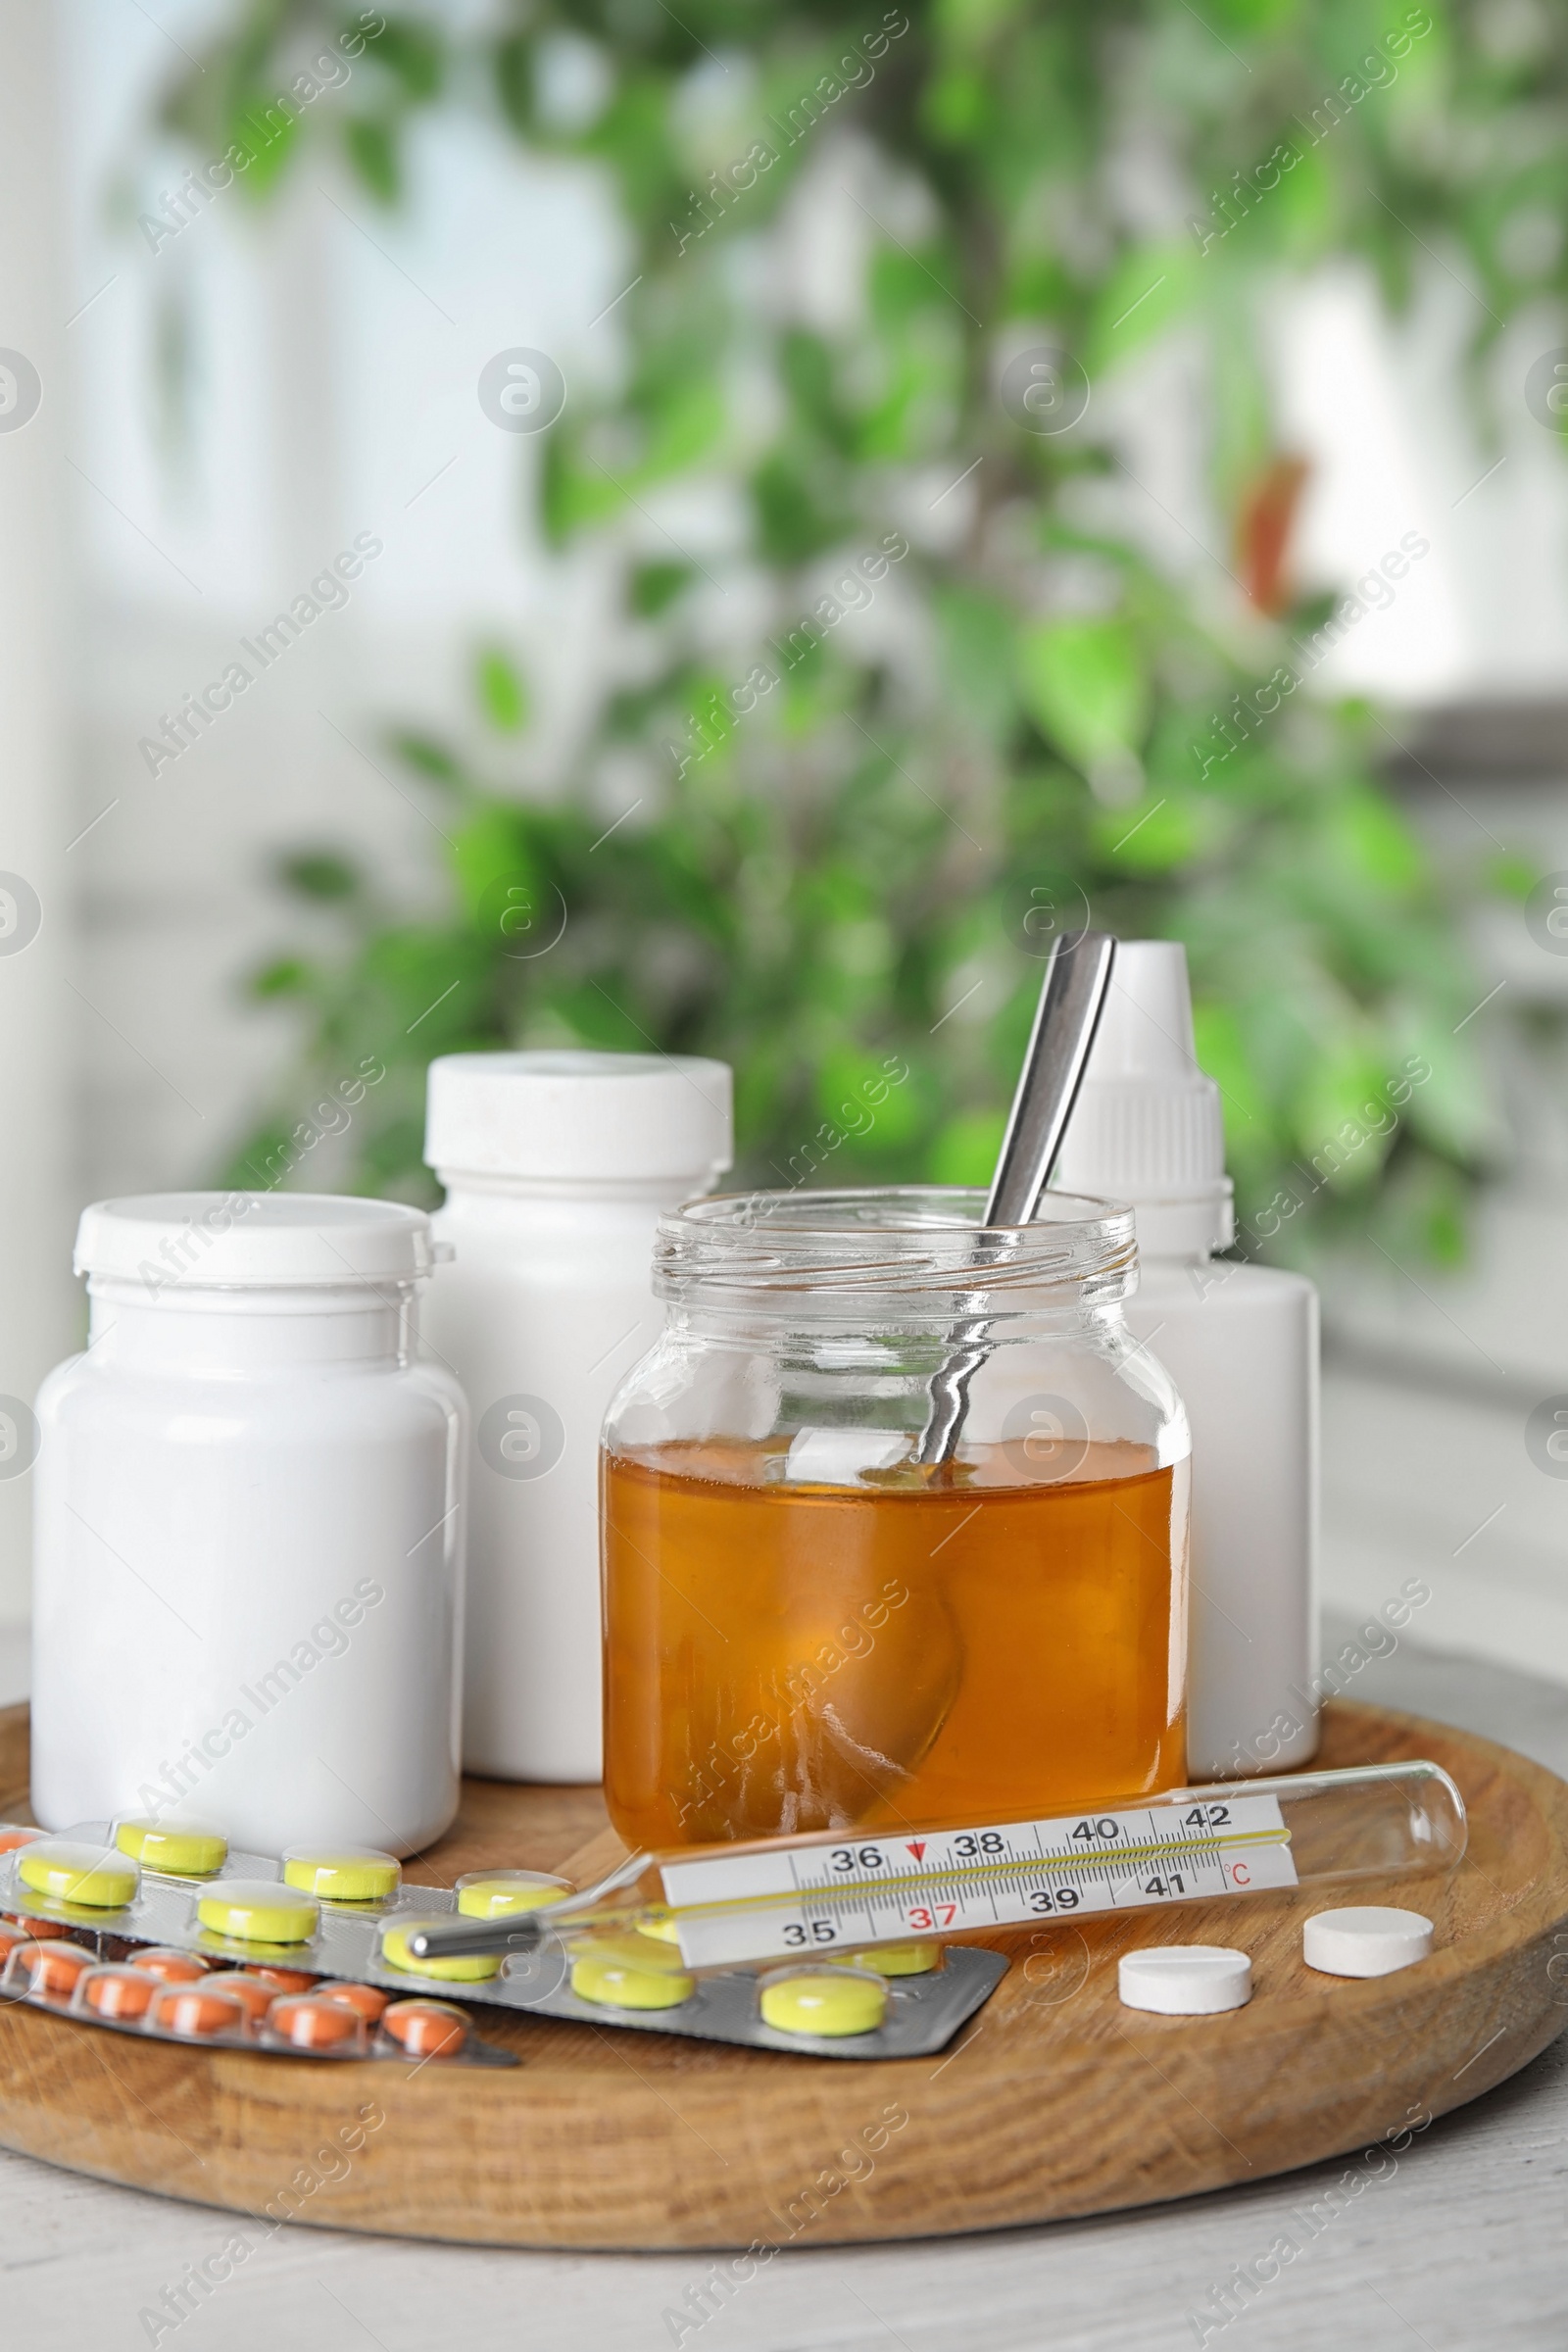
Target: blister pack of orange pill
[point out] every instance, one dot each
(170, 1995)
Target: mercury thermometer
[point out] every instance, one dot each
(782, 1897)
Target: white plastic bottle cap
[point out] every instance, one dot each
(252, 1241)
(580, 1116)
(1146, 1127)
(1185, 1980)
(1366, 1941)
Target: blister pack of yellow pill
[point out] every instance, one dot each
(129, 1889)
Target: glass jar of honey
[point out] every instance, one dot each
(809, 1626)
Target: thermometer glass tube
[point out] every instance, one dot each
(782, 1897)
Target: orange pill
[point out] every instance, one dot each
(12, 1835)
(365, 2000)
(36, 1929)
(126, 1993)
(282, 1979)
(255, 1997)
(426, 2028)
(313, 2024)
(52, 1969)
(171, 1967)
(197, 2013)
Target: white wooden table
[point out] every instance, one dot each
(1460, 2243)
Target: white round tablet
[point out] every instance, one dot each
(1365, 1941)
(1185, 1980)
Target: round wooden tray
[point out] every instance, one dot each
(1055, 2101)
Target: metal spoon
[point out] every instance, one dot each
(1072, 994)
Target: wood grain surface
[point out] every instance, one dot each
(1054, 2102)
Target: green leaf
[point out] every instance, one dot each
(793, 523)
(971, 25)
(1256, 16)
(431, 759)
(654, 586)
(1149, 289)
(413, 52)
(513, 66)
(1085, 686)
(856, 1090)
(1376, 841)
(503, 696)
(1422, 1215)
(284, 976)
(956, 105)
(492, 847)
(373, 151)
(1300, 215)
(1448, 1104)
(1224, 1054)
(1342, 1123)
(575, 495)
(684, 425)
(977, 632)
(1151, 836)
(965, 1148)
(319, 874)
(1512, 876)
(267, 135)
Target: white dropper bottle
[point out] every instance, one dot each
(1241, 1342)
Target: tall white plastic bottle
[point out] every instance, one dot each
(1241, 1343)
(557, 1167)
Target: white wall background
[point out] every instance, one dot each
(38, 1090)
(333, 357)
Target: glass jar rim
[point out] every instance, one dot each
(897, 1241)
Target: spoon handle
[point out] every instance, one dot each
(1072, 994)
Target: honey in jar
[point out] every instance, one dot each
(808, 1629)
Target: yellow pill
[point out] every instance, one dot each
(355, 1874)
(832, 2001)
(661, 1925)
(258, 1911)
(187, 1854)
(633, 1949)
(470, 1968)
(896, 1959)
(504, 1893)
(94, 1874)
(630, 1972)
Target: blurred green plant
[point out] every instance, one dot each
(801, 846)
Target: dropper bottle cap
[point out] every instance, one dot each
(1147, 1128)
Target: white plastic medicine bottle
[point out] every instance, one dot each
(1240, 1342)
(248, 1556)
(557, 1166)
